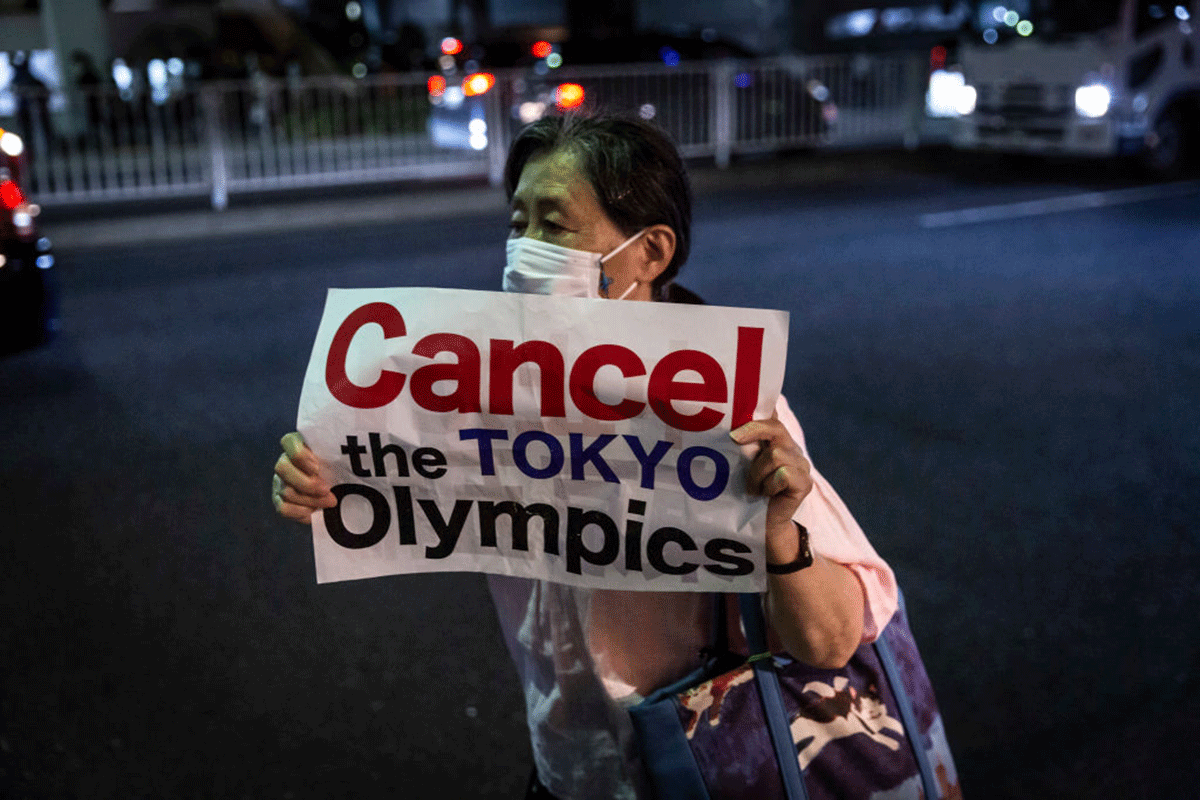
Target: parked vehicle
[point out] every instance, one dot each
(1084, 78)
(28, 288)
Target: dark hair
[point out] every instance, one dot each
(633, 166)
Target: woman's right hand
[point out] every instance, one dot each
(297, 487)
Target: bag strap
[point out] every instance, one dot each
(771, 696)
(891, 668)
(719, 641)
(775, 713)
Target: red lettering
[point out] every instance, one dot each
(664, 389)
(503, 366)
(388, 387)
(583, 380)
(746, 375)
(465, 373)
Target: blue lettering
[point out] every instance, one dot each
(521, 457)
(485, 437)
(684, 468)
(581, 456)
(648, 462)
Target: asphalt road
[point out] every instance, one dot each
(1006, 398)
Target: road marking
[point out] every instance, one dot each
(1056, 205)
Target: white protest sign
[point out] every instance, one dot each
(578, 441)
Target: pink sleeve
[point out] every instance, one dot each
(834, 534)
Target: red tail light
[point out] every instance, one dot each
(437, 86)
(937, 58)
(10, 195)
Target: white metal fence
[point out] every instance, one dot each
(222, 138)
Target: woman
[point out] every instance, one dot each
(601, 207)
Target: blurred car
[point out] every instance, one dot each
(784, 102)
(28, 280)
(536, 85)
(457, 116)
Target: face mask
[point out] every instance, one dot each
(536, 267)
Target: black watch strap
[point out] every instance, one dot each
(804, 559)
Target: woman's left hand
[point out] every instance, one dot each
(780, 472)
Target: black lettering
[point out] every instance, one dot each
(577, 520)
(722, 550)
(518, 516)
(379, 451)
(447, 532)
(354, 450)
(633, 545)
(633, 536)
(658, 542)
(429, 462)
(404, 514)
(381, 521)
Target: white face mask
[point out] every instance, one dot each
(536, 267)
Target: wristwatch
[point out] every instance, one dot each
(803, 559)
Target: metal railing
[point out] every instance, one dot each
(217, 139)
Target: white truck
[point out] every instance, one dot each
(1082, 78)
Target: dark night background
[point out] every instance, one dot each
(1008, 408)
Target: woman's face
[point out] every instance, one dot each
(555, 203)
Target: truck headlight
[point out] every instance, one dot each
(949, 95)
(966, 100)
(1093, 101)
